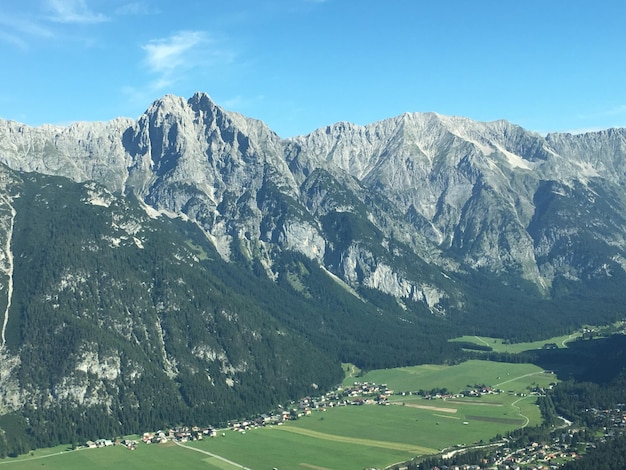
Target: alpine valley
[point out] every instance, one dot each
(191, 266)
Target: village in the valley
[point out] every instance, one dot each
(537, 455)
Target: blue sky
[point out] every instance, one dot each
(547, 65)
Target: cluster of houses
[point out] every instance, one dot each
(459, 467)
(381, 392)
(365, 393)
(535, 455)
(357, 394)
(99, 443)
(179, 434)
(550, 455)
(612, 418)
(269, 419)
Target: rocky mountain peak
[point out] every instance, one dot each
(453, 191)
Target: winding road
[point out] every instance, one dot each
(519, 411)
(569, 338)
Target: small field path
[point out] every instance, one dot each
(520, 377)
(215, 456)
(39, 457)
(432, 408)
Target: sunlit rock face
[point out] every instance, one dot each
(369, 203)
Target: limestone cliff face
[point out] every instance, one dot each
(82, 151)
(431, 190)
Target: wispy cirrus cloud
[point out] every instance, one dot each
(171, 58)
(136, 8)
(73, 11)
(58, 20)
(18, 30)
(13, 39)
(168, 54)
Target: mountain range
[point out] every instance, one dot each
(192, 264)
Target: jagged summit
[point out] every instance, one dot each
(454, 191)
(201, 100)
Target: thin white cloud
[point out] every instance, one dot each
(18, 31)
(13, 39)
(24, 26)
(136, 8)
(172, 57)
(165, 55)
(73, 11)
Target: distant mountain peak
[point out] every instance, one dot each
(201, 99)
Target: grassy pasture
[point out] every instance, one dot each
(292, 446)
(498, 345)
(515, 377)
(143, 458)
(429, 429)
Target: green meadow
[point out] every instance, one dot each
(345, 437)
(507, 376)
(499, 345)
(144, 457)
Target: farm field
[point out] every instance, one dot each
(511, 410)
(507, 376)
(498, 344)
(145, 457)
(345, 437)
(294, 445)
